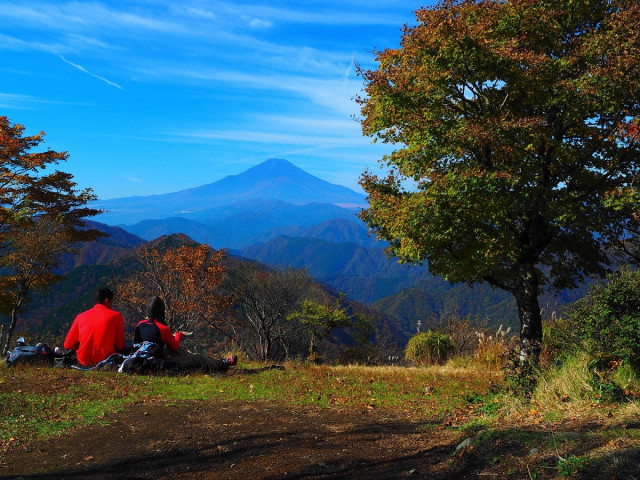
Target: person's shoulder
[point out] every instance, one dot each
(109, 313)
(160, 325)
(84, 314)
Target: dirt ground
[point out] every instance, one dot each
(216, 439)
(213, 440)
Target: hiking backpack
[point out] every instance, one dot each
(29, 354)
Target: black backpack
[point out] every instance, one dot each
(146, 359)
(29, 354)
(39, 354)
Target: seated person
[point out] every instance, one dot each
(98, 332)
(154, 329)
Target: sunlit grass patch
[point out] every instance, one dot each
(572, 392)
(31, 405)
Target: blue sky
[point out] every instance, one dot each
(155, 96)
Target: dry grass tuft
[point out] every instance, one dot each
(569, 383)
(493, 349)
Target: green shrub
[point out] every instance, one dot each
(429, 348)
(626, 377)
(570, 466)
(560, 339)
(581, 377)
(607, 319)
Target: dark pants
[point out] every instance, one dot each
(186, 360)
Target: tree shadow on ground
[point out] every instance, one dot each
(361, 451)
(262, 440)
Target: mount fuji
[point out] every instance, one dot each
(273, 180)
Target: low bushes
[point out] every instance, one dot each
(429, 348)
(606, 322)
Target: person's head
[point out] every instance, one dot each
(156, 309)
(104, 296)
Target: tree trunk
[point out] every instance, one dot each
(265, 344)
(526, 295)
(12, 326)
(2, 352)
(312, 346)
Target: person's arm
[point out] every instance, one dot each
(171, 341)
(72, 341)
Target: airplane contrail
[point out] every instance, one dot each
(82, 69)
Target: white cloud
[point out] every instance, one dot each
(200, 13)
(343, 126)
(134, 179)
(282, 130)
(333, 92)
(322, 13)
(258, 23)
(28, 102)
(72, 16)
(18, 102)
(257, 136)
(12, 43)
(349, 69)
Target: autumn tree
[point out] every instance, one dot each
(187, 278)
(41, 216)
(29, 264)
(515, 125)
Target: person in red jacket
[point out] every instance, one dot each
(154, 329)
(98, 332)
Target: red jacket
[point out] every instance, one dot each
(96, 334)
(152, 330)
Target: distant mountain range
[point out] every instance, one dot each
(368, 275)
(255, 222)
(275, 179)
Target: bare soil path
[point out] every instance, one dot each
(252, 440)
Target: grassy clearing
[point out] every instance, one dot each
(30, 395)
(40, 402)
(564, 431)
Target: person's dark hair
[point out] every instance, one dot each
(156, 309)
(103, 294)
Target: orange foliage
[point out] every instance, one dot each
(39, 216)
(187, 278)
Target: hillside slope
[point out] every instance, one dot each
(250, 223)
